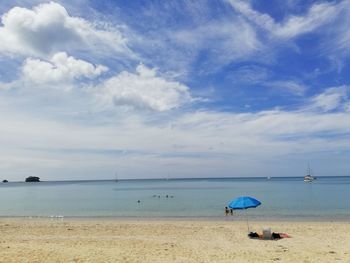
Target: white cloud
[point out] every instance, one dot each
(191, 144)
(48, 28)
(332, 99)
(143, 90)
(250, 74)
(336, 43)
(225, 41)
(205, 41)
(65, 134)
(61, 68)
(292, 26)
(6, 86)
(288, 86)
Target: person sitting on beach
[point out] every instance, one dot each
(226, 210)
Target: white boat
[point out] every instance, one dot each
(308, 177)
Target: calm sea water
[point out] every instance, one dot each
(282, 198)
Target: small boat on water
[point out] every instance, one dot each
(308, 177)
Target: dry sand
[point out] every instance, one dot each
(33, 240)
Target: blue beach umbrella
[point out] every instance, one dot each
(244, 202)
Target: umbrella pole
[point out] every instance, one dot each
(246, 217)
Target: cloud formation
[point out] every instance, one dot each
(48, 28)
(193, 143)
(225, 41)
(143, 90)
(336, 44)
(149, 115)
(61, 68)
(335, 98)
(288, 86)
(292, 26)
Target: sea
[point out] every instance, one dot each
(325, 199)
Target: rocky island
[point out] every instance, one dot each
(31, 179)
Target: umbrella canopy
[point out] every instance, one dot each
(244, 202)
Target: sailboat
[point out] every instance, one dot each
(116, 178)
(308, 177)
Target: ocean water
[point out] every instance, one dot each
(327, 198)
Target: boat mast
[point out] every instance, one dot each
(308, 170)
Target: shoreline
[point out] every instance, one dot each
(46, 240)
(180, 218)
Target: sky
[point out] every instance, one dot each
(174, 89)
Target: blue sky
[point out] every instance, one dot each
(167, 89)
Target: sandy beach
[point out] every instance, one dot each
(35, 240)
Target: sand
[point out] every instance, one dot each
(35, 240)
